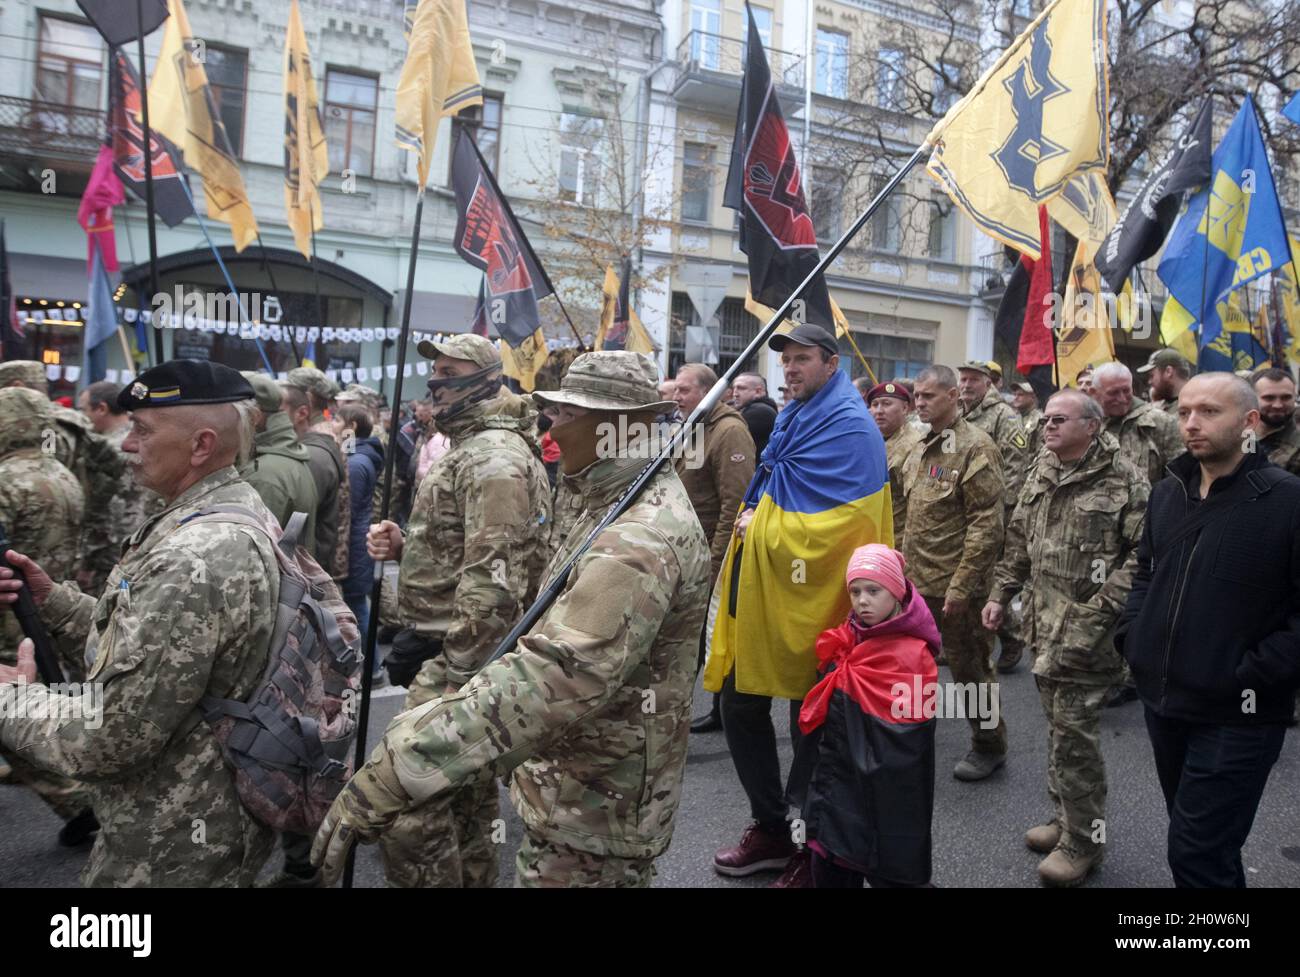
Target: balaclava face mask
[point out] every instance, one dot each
(452, 396)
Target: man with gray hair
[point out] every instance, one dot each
(1082, 503)
(188, 613)
(1147, 436)
(1210, 629)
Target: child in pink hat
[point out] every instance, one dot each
(864, 771)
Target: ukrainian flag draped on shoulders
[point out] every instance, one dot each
(821, 490)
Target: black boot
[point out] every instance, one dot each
(711, 723)
(79, 830)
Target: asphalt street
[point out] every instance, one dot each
(978, 828)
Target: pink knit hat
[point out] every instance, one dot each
(878, 562)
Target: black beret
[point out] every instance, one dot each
(177, 383)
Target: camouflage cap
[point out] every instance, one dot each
(479, 350)
(1166, 357)
(24, 417)
(979, 366)
(356, 392)
(313, 381)
(28, 372)
(269, 396)
(609, 380)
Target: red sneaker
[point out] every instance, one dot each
(758, 851)
(797, 874)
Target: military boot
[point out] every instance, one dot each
(1066, 866)
(1044, 838)
(977, 765)
(1012, 652)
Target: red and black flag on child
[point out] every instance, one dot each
(489, 237)
(763, 185)
(126, 135)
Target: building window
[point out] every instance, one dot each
(69, 63)
(227, 70)
(891, 357)
(827, 202)
(890, 79)
(706, 33)
(887, 222)
(484, 124)
(831, 75)
(697, 181)
(579, 136)
(350, 101)
(943, 229)
(947, 87)
(763, 20)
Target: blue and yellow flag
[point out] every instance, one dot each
(1231, 234)
(821, 490)
(1034, 122)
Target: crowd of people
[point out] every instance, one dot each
(932, 520)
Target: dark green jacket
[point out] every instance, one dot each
(282, 476)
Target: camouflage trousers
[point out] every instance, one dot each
(66, 798)
(969, 650)
(446, 842)
(542, 864)
(1076, 772)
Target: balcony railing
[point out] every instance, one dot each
(46, 129)
(704, 51)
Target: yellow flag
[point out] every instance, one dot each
(306, 157)
(181, 107)
(439, 76)
(1288, 287)
(637, 340)
(1086, 209)
(524, 363)
(1083, 337)
(1034, 121)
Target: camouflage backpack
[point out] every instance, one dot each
(290, 743)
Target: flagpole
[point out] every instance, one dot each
(147, 143)
(315, 277)
(266, 266)
(239, 302)
(390, 458)
(548, 595)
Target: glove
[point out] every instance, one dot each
(366, 806)
(410, 650)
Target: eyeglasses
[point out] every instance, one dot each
(1054, 420)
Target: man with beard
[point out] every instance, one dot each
(1277, 433)
(1168, 370)
(471, 559)
(1210, 628)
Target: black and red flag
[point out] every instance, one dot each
(117, 21)
(763, 185)
(489, 237)
(126, 135)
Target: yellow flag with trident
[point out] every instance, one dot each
(306, 157)
(439, 76)
(1035, 120)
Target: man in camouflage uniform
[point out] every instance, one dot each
(952, 537)
(1169, 370)
(93, 459)
(1025, 402)
(130, 505)
(40, 508)
(983, 406)
(1074, 536)
(890, 403)
(187, 613)
(309, 394)
(471, 560)
(280, 470)
(1278, 436)
(590, 710)
(1147, 436)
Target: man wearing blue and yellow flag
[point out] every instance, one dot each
(821, 490)
(1231, 234)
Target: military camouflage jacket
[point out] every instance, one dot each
(1073, 537)
(187, 613)
(1283, 447)
(476, 543)
(591, 710)
(99, 467)
(897, 447)
(1148, 438)
(955, 512)
(566, 510)
(280, 473)
(999, 420)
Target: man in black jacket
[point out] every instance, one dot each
(1211, 629)
(749, 396)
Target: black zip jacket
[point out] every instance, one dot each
(1211, 629)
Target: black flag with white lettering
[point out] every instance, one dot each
(489, 237)
(1145, 223)
(776, 229)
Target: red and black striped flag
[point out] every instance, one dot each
(126, 135)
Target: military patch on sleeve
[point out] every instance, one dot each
(738, 456)
(1018, 440)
